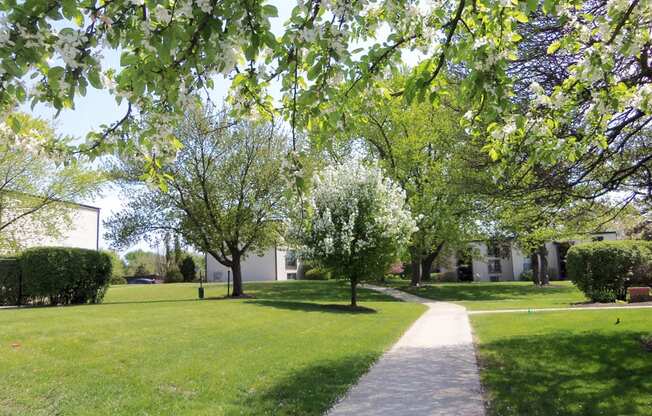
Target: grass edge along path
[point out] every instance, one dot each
(497, 295)
(590, 362)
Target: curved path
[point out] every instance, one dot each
(431, 370)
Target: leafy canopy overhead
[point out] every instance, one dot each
(329, 51)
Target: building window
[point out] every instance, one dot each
(494, 249)
(598, 238)
(291, 276)
(527, 264)
(494, 266)
(290, 260)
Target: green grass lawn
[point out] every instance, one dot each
(566, 363)
(499, 295)
(155, 350)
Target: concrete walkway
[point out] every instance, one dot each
(431, 370)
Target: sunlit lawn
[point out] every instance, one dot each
(156, 350)
(566, 363)
(499, 295)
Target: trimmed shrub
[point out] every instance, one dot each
(173, 276)
(117, 280)
(316, 273)
(604, 270)
(526, 276)
(188, 269)
(9, 281)
(62, 275)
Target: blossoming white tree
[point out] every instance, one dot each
(357, 223)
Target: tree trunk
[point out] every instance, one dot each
(544, 278)
(354, 295)
(534, 261)
(237, 277)
(426, 262)
(416, 272)
(426, 266)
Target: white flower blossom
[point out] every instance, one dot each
(204, 5)
(67, 46)
(162, 14)
(355, 210)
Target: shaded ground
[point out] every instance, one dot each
(498, 295)
(566, 363)
(155, 349)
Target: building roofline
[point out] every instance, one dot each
(82, 205)
(77, 204)
(512, 238)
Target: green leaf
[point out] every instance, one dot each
(127, 59)
(14, 123)
(552, 48)
(69, 8)
(493, 154)
(94, 79)
(55, 74)
(549, 6)
(521, 17)
(270, 11)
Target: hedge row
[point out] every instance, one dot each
(9, 281)
(316, 273)
(604, 270)
(55, 276)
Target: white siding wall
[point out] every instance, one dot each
(82, 232)
(518, 261)
(269, 266)
(481, 265)
(254, 268)
(513, 267)
(553, 260)
(282, 269)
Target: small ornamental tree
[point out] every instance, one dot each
(188, 269)
(357, 222)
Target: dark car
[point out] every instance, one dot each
(141, 281)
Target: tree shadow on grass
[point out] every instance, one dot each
(312, 307)
(319, 291)
(568, 374)
(312, 390)
(301, 291)
(488, 292)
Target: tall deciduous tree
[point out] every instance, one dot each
(142, 263)
(428, 154)
(118, 267)
(357, 223)
(224, 193)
